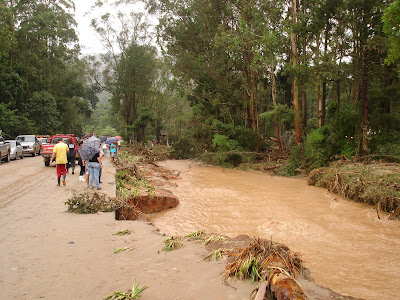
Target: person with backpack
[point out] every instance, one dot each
(71, 155)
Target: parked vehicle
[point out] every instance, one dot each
(30, 144)
(47, 149)
(4, 150)
(15, 149)
(43, 140)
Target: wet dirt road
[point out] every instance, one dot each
(347, 248)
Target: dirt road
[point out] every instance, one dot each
(48, 253)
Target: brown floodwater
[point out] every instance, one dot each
(347, 248)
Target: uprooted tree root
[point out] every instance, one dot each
(258, 257)
(271, 263)
(375, 184)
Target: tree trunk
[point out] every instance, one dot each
(250, 93)
(323, 102)
(296, 108)
(304, 108)
(364, 91)
(273, 88)
(319, 99)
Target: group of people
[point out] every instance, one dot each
(64, 155)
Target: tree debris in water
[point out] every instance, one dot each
(134, 293)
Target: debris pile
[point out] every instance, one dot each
(91, 202)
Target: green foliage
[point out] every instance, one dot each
(42, 110)
(13, 124)
(184, 148)
(344, 129)
(13, 89)
(386, 145)
(391, 23)
(223, 143)
(228, 159)
(318, 147)
(284, 113)
(296, 160)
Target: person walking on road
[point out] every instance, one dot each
(71, 155)
(113, 151)
(105, 149)
(60, 156)
(94, 166)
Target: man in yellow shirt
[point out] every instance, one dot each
(60, 155)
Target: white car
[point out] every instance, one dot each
(30, 144)
(15, 149)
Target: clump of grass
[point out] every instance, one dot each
(219, 253)
(92, 202)
(130, 183)
(171, 244)
(134, 293)
(197, 234)
(123, 232)
(124, 249)
(214, 239)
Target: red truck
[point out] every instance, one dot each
(47, 149)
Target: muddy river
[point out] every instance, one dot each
(346, 247)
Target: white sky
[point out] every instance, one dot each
(88, 40)
(87, 37)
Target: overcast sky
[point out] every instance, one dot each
(87, 36)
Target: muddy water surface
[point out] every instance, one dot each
(347, 248)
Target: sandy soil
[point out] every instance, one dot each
(48, 253)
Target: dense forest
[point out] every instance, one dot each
(315, 78)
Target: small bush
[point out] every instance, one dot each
(318, 148)
(184, 148)
(296, 160)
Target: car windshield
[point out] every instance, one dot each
(54, 140)
(43, 140)
(26, 138)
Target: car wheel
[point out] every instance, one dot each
(8, 157)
